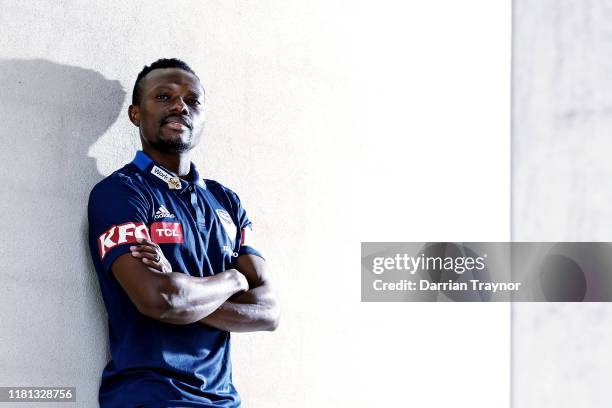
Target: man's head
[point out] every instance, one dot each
(168, 106)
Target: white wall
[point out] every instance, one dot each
(435, 166)
(336, 123)
(562, 127)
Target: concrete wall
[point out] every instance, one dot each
(562, 128)
(316, 112)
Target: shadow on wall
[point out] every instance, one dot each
(54, 315)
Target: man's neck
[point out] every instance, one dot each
(178, 163)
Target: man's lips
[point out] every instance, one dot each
(176, 123)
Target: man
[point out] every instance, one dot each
(173, 256)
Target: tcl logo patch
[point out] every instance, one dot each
(121, 234)
(167, 233)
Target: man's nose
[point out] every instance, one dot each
(179, 105)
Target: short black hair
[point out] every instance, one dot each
(160, 63)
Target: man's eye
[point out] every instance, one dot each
(162, 97)
(195, 102)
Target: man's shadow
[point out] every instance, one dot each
(54, 322)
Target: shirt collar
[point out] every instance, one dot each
(165, 176)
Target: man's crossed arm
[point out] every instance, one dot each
(237, 299)
(253, 310)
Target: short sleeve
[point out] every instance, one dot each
(118, 214)
(246, 232)
(245, 240)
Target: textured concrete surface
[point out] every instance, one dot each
(562, 127)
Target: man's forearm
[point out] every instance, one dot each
(253, 310)
(188, 299)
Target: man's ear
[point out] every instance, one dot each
(134, 114)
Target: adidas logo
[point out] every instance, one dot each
(163, 213)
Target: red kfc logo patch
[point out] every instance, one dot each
(121, 234)
(167, 233)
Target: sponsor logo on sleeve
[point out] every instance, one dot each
(167, 233)
(121, 234)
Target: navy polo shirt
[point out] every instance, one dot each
(200, 226)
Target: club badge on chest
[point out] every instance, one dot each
(228, 224)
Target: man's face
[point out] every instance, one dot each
(170, 113)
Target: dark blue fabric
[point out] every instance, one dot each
(153, 363)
